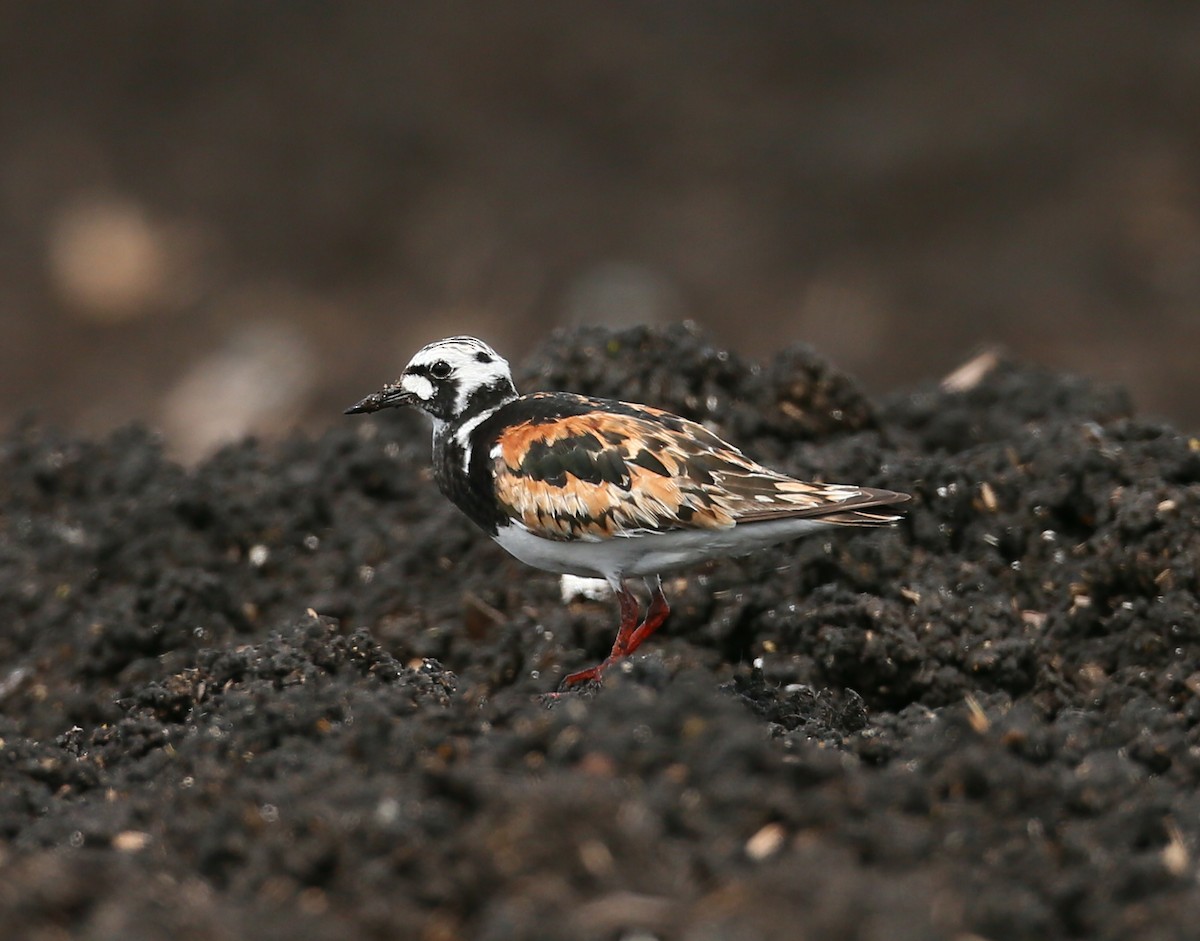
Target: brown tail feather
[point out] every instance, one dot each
(867, 508)
(863, 518)
(878, 512)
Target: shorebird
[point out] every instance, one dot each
(601, 488)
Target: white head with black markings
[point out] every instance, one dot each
(451, 380)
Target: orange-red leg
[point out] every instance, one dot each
(629, 622)
(655, 616)
(630, 634)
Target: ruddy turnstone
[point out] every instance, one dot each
(601, 488)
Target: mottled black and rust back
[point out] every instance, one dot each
(569, 467)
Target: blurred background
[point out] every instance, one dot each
(228, 217)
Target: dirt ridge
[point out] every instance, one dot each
(293, 693)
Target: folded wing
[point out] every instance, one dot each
(631, 469)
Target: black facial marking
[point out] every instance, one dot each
(482, 357)
(445, 394)
(494, 393)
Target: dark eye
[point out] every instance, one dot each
(440, 369)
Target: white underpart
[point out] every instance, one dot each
(649, 553)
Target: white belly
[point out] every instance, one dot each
(651, 554)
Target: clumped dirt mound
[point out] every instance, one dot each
(291, 693)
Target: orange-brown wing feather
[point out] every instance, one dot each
(615, 473)
(581, 477)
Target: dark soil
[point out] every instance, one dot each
(292, 694)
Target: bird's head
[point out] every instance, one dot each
(451, 379)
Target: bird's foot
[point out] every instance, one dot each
(580, 677)
(575, 684)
